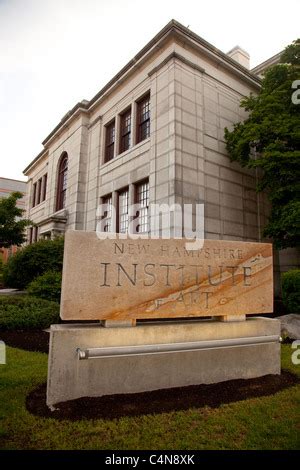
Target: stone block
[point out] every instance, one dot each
(189, 161)
(130, 278)
(212, 183)
(228, 200)
(163, 176)
(212, 210)
(212, 169)
(212, 225)
(233, 229)
(255, 352)
(230, 175)
(210, 143)
(212, 196)
(189, 146)
(210, 130)
(231, 188)
(232, 215)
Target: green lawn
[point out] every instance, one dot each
(261, 423)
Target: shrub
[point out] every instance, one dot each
(47, 286)
(1, 272)
(24, 312)
(291, 290)
(32, 261)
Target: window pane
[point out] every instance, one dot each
(123, 211)
(107, 219)
(145, 130)
(144, 119)
(145, 109)
(38, 191)
(62, 184)
(44, 187)
(125, 129)
(34, 195)
(143, 200)
(63, 199)
(110, 141)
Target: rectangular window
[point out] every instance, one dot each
(30, 235)
(110, 141)
(44, 187)
(123, 218)
(38, 191)
(34, 195)
(35, 234)
(107, 218)
(142, 198)
(143, 119)
(125, 131)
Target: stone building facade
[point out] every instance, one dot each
(154, 133)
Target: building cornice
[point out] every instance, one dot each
(43, 153)
(12, 179)
(63, 218)
(275, 59)
(175, 55)
(81, 107)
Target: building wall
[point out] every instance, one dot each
(7, 186)
(193, 98)
(73, 141)
(185, 158)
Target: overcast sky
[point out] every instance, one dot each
(54, 53)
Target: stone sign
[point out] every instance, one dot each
(127, 279)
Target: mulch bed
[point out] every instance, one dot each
(159, 401)
(30, 340)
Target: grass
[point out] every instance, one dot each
(259, 423)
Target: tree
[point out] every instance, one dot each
(269, 139)
(12, 226)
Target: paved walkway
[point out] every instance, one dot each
(11, 292)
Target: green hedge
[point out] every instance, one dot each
(32, 261)
(22, 312)
(291, 290)
(47, 286)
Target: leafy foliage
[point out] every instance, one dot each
(25, 312)
(47, 286)
(291, 290)
(32, 261)
(12, 227)
(269, 139)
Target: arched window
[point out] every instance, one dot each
(62, 182)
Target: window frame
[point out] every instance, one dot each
(34, 195)
(140, 121)
(137, 201)
(30, 235)
(44, 191)
(34, 234)
(110, 145)
(125, 131)
(104, 200)
(61, 182)
(119, 213)
(38, 192)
